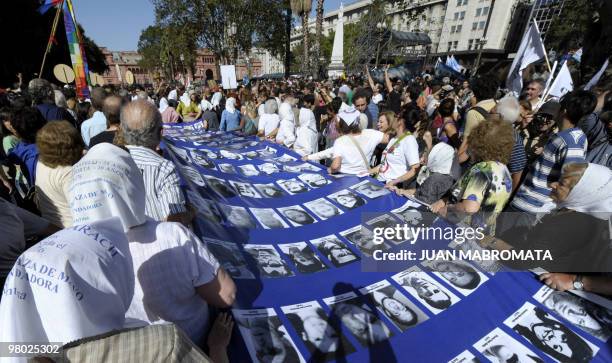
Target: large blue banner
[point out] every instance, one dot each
(299, 244)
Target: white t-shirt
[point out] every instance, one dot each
(306, 142)
(52, 193)
(268, 122)
(352, 161)
(286, 133)
(173, 95)
(398, 162)
(169, 263)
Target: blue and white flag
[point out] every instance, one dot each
(530, 51)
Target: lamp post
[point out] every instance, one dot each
(481, 43)
(232, 32)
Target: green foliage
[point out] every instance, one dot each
(564, 34)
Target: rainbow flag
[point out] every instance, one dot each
(48, 4)
(77, 53)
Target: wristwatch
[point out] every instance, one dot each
(578, 285)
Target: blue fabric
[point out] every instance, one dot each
(229, 121)
(518, 159)
(26, 156)
(372, 113)
(51, 112)
(93, 126)
(438, 338)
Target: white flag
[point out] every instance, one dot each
(531, 50)
(597, 76)
(562, 84)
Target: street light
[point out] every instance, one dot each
(232, 32)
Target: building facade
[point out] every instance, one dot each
(120, 62)
(544, 11)
(430, 20)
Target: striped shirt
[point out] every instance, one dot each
(567, 146)
(518, 159)
(164, 195)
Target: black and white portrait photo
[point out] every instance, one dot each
(202, 160)
(292, 186)
(250, 154)
(363, 238)
(359, 318)
(464, 277)
(245, 189)
(221, 187)
(314, 180)
(268, 168)
(321, 337)
(205, 208)
(286, 158)
(370, 189)
(386, 221)
(267, 153)
(303, 257)
(268, 218)
(347, 199)
(237, 216)
(230, 257)
(230, 155)
(435, 297)
(336, 251)
(583, 314)
(227, 168)
(211, 154)
(323, 208)
(499, 347)
(297, 216)
(248, 170)
(192, 175)
(269, 190)
(266, 339)
(550, 336)
(269, 262)
(394, 305)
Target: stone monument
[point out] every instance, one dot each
(336, 67)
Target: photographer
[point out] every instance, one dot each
(537, 132)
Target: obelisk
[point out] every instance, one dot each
(336, 67)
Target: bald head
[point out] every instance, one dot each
(141, 124)
(112, 110)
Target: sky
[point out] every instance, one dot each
(116, 24)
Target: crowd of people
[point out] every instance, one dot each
(533, 173)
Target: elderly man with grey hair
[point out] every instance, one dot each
(141, 126)
(507, 110)
(43, 96)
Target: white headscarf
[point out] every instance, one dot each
(74, 284)
(107, 183)
(440, 160)
(230, 105)
(349, 115)
(216, 99)
(286, 112)
(592, 194)
(205, 105)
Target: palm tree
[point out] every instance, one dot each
(318, 40)
(302, 9)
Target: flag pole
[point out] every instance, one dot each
(51, 37)
(545, 54)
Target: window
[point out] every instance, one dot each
(462, 15)
(478, 11)
(475, 26)
(453, 28)
(485, 10)
(465, 2)
(481, 25)
(459, 2)
(456, 16)
(455, 43)
(470, 44)
(459, 27)
(450, 44)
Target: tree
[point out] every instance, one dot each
(302, 9)
(319, 34)
(207, 23)
(25, 46)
